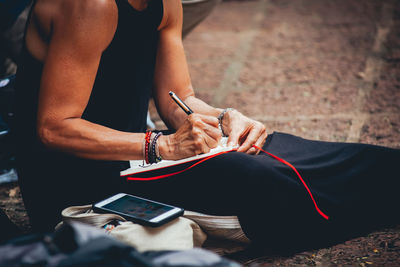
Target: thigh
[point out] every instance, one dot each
(345, 180)
(346, 176)
(215, 186)
(354, 184)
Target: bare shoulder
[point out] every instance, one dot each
(83, 9)
(172, 14)
(98, 16)
(70, 19)
(101, 9)
(86, 21)
(89, 12)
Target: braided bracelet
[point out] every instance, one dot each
(155, 154)
(220, 117)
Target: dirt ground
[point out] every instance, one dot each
(324, 70)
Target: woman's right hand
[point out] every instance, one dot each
(198, 134)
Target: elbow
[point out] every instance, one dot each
(47, 135)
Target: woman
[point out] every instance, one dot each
(83, 89)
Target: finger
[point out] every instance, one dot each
(206, 122)
(210, 134)
(251, 139)
(260, 142)
(252, 151)
(206, 148)
(213, 121)
(233, 138)
(213, 133)
(195, 119)
(210, 142)
(198, 121)
(205, 137)
(200, 145)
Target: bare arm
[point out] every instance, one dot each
(172, 74)
(79, 37)
(198, 132)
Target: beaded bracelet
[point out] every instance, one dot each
(146, 146)
(153, 157)
(220, 117)
(155, 153)
(151, 149)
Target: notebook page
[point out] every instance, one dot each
(140, 165)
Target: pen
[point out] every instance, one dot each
(180, 103)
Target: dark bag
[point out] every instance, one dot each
(7, 228)
(82, 245)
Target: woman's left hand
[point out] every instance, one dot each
(243, 131)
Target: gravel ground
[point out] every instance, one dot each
(325, 70)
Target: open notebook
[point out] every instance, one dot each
(140, 168)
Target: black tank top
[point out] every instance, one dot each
(119, 100)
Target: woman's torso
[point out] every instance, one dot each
(119, 100)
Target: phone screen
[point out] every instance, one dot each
(138, 208)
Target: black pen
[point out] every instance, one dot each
(180, 103)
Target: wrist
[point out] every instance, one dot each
(223, 121)
(150, 147)
(164, 147)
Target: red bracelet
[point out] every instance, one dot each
(146, 146)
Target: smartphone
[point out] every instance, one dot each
(138, 210)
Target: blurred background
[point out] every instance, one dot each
(321, 69)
